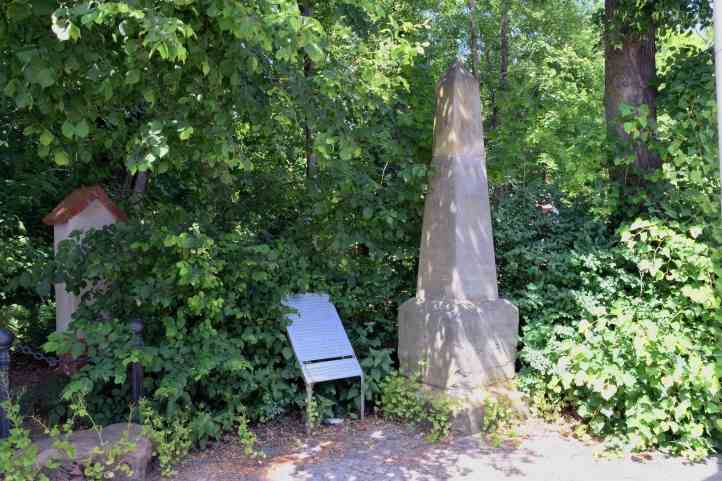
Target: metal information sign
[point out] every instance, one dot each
(320, 342)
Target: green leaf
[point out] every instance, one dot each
(132, 77)
(61, 157)
(701, 295)
(45, 77)
(46, 138)
(608, 391)
(149, 95)
(68, 129)
(314, 52)
(82, 129)
(185, 133)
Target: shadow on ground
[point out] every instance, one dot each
(387, 451)
(375, 450)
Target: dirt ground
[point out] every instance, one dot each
(375, 450)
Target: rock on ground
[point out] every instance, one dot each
(87, 441)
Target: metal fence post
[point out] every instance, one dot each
(136, 369)
(6, 341)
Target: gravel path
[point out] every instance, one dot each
(376, 451)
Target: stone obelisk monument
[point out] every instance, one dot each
(457, 332)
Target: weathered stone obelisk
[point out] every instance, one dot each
(456, 331)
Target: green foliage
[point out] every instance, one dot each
(632, 16)
(171, 438)
(17, 454)
(403, 399)
(548, 114)
(622, 327)
(641, 363)
(214, 324)
(313, 414)
(497, 421)
(225, 103)
(626, 335)
(246, 437)
(440, 414)
(166, 84)
(105, 460)
(21, 311)
(212, 309)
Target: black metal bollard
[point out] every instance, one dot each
(136, 369)
(6, 341)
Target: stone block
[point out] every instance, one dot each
(87, 441)
(458, 344)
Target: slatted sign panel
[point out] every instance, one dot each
(319, 339)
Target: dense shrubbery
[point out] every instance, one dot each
(21, 311)
(618, 299)
(627, 336)
(620, 327)
(214, 324)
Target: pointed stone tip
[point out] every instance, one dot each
(455, 69)
(457, 64)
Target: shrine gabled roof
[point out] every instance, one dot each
(78, 201)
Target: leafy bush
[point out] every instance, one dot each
(17, 453)
(498, 418)
(22, 311)
(640, 365)
(171, 439)
(403, 399)
(623, 333)
(214, 331)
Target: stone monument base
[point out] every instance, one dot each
(468, 405)
(458, 344)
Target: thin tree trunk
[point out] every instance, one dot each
(311, 167)
(504, 45)
(140, 184)
(629, 78)
(492, 90)
(127, 183)
(503, 59)
(474, 39)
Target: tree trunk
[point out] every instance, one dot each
(503, 59)
(492, 91)
(141, 183)
(629, 78)
(307, 11)
(504, 46)
(474, 39)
